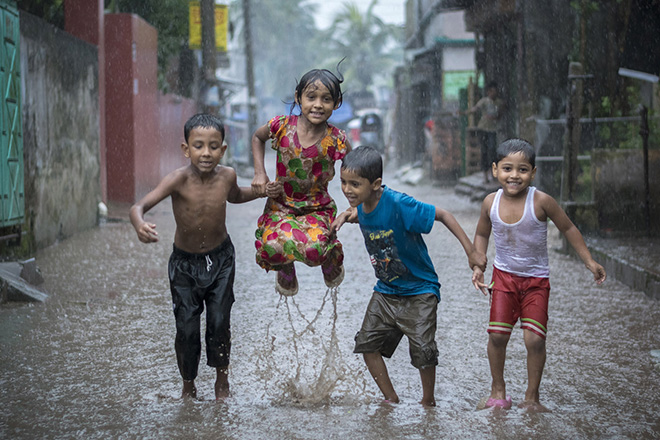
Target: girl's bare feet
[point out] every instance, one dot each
(332, 275)
(287, 283)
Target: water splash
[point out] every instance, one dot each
(304, 366)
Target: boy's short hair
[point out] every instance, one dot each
(365, 161)
(203, 120)
(513, 146)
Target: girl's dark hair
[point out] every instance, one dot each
(364, 161)
(327, 78)
(513, 146)
(203, 120)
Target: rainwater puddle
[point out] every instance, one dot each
(96, 360)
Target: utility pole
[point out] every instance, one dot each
(249, 69)
(209, 61)
(574, 103)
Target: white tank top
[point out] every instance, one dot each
(521, 248)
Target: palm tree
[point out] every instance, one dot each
(367, 43)
(282, 35)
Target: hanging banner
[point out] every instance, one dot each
(195, 25)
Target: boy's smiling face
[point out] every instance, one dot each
(359, 190)
(515, 173)
(205, 148)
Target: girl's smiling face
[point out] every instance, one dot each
(316, 103)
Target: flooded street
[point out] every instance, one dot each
(96, 360)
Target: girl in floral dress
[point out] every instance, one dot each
(295, 225)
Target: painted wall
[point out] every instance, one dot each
(133, 153)
(60, 132)
(174, 111)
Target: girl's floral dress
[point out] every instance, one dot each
(296, 225)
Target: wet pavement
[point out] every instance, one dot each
(96, 360)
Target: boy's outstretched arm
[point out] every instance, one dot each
(572, 234)
(348, 216)
(239, 194)
(475, 258)
(146, 232)
(481, 237)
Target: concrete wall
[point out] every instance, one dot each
(60, 132)
(618, 181)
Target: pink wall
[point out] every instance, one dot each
(174, 112)
(133, 159)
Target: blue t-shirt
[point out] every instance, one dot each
(393, 236)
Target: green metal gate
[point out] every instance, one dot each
(12, 200)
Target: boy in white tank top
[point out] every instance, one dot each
(517, 214)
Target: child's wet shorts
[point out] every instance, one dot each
(196, 281)
(519, 297)
(389, 317)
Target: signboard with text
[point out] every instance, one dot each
(221, 24)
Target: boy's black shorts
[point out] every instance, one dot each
(197, 280)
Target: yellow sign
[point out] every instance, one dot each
(195, 24)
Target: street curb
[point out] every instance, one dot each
(627, 273)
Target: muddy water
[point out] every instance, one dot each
(97, 359)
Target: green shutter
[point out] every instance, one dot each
(12, 200)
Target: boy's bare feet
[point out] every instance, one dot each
(189, 390)
(221, 384)
(533, 406)
(429, 404)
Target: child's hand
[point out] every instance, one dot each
(259, 183)
(147, 233)
(598, 271)
(478, 259)
(274, 189)
(478, 280)
(350, 216)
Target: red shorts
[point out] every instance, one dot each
(519, 297)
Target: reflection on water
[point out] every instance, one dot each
(97, 359)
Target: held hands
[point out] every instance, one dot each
(478, 280)
(262, 186)
(146, 233)
(350, 216)
(274, 189)
(259, 183)
(478, 259)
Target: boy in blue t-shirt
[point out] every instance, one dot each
(406, 296)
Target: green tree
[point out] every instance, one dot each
(370, 46)
(282, 44)
(169, 17)
(50, 10)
